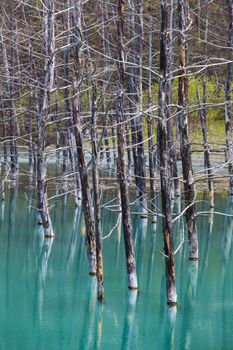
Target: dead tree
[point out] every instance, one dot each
(8, 71)
(135, 100)
(4, 132)
(106, 50)
(86, 195)
(170, 120)
(46, 85)
(31, 111)
(69, 139)
(207, 163)
(141, 174)
(96, 199)
(203, 112)
(126, 219)
(164, 162)
(228, 127)
(185, 148)
(150, 125)
(130, 88)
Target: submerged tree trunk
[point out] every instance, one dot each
(164, 163)
(86, 195)
(47, 80)
(96, 200)
(228, 127)
(185, 148)
(126, 219)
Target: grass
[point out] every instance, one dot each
(214, 108)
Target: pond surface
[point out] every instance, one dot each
(47, 300)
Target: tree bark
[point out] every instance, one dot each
(138, 103)
(228, 127)
(207, 163)
(185, 148)
(96, 199)
(164, 163)
(126, 218)
(86, 195)
(171, 143)
(150, 128)
(8, 67)
(46, 85)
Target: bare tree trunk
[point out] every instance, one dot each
(203, 112)
(185, 148)
(206, 150)
(4, 134)
(30, 154)
(47, 81)
(96, 200)
(198, 17)
(86, 195)
(112, 119)
(128, 145)
(58, 137)
(8, 76)
(13, 120)
(150, 127)
(228, 127)
(131, 90)
(33, 108)
(138, 103)
(104, 84)
(70, 142)
(164, 163)
(126, 219)
(171, 143)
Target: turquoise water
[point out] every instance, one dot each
(47, 300)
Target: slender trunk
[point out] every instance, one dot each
(131, 91)
(185, 148)
(138, 103)
(69, 127)
(150, 127)
(66, 134)
(9, 82)
(58, 137)
(47, 81)
(86, 195)
(164, 163)
(207, 163)
(198, 17)
(4, 134)
(126, 218)
(228, 127)
(128, 145)
(30, 154)
(96, 200)
(104, 85)
(112, 120)
(171, 143)
(203, 113)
